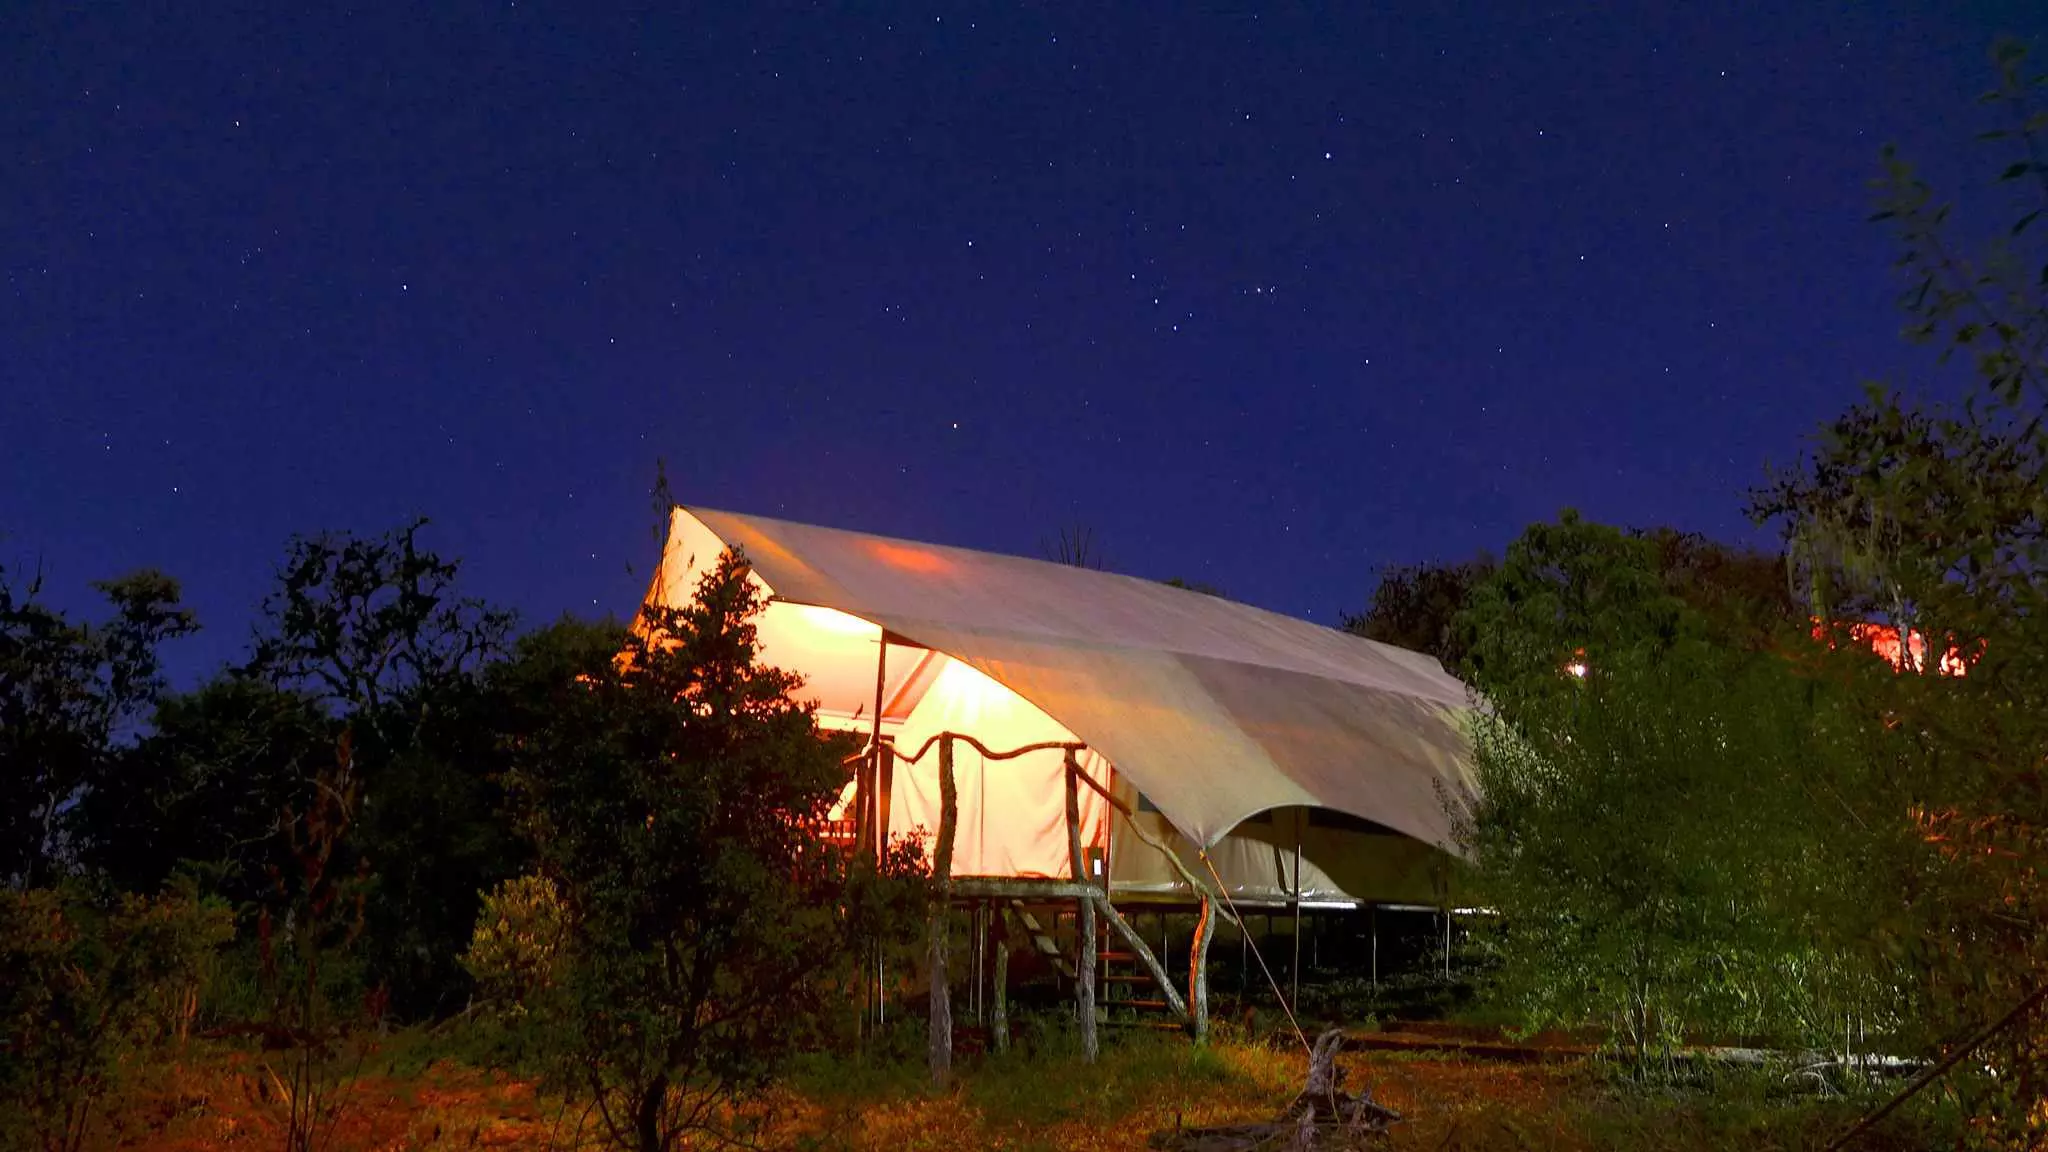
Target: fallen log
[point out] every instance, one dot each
(1323, 1116)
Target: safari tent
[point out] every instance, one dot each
(1221, 751)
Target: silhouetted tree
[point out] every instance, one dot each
(205, 790)
(68, 692)
(1074, 546)
(376, 630)
(1416, 606)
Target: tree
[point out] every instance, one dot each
(1645, 825)
(374, 627)
(1075, 547)
(1934, 520)
(672, 791)
(376, 630)
(1415, 606)
(67, 692)
(205, 790)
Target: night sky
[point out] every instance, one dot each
(1266, 298)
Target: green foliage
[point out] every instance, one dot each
(672, 795)
(90, 981)
(1648, 828)
(1935, 521)
(66, 692)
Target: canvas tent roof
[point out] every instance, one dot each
(1215, 709)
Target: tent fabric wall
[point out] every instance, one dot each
(1013, 813)
(1217, 710)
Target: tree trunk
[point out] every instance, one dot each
(1084, 921)
(1198, 970)
(647, 1116)
(939, 1028)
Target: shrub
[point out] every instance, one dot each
(90, 982)
(516, 951)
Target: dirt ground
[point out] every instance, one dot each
(217, 1098)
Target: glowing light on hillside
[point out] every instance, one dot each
(1577, 667)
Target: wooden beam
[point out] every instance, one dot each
(1020, 888)
(1144, 954)
(939, 1028)
(1084, 923)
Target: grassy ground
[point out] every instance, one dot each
(411, 1094)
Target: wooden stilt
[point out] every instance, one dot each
(1084, 920)
(999, 1025)
(1198, 970)
(939, 1029)
(1301, 815)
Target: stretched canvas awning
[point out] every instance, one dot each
(1215, 710)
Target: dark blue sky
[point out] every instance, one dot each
(1267, 298)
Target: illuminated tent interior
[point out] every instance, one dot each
(1308, 763)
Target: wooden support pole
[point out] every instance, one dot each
(1198, 970)
(866, 839)
(939, 1028)
(1300, 817)
(999, 1025)
(1143, 952)
(1084, 920)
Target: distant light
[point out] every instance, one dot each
(1576, 668)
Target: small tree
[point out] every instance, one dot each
(305, 931)
(87, 979)
(672, 790)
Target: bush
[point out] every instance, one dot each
(516, 951)
(90, 982)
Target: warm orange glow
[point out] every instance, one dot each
(907, 558)
(1883, 639)
(819, 619)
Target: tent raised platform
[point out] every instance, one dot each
(1071, 734)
